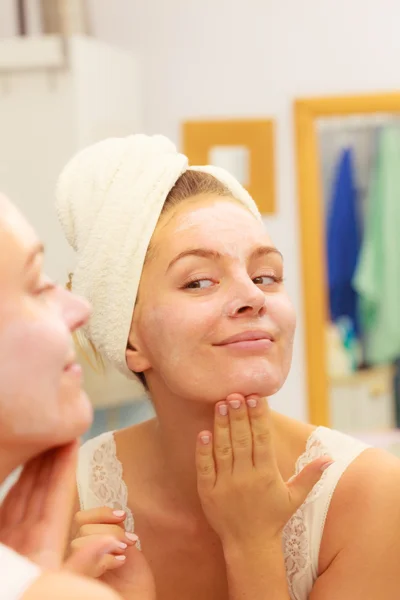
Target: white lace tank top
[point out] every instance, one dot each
(16, 574)
(100, 483)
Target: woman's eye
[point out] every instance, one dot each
(199, 284)
(266, 280)
(45, 286)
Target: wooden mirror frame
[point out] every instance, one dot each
(312, 231)
(257, 135)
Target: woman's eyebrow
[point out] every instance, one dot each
(208, 253)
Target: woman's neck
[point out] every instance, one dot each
(172, 443)
(176, 428)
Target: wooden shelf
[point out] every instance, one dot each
(365, 376)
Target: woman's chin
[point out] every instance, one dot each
(85, 414)
(261, 384)
(78, 416)
(215, 391)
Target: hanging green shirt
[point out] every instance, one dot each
(377, 277)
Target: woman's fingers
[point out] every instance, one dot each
(17, 505)
(300, 486)
(94, 526)
(40, 488)
(98, 541)
(205, 465)
(101, 514)
(263, 451)
(61, 488)
(116, 531)
(222, 440)
(92, 557)
(109, 562)
(241, 437)
(60, 494)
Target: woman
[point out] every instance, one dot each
(188, 296)
(43, 410)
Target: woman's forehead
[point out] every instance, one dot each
(211, 220)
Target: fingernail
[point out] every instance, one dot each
(234, 403)
(252, 402)
(205, 439)
(122, 545)
(326, 465)
(223, 410)
(120, 557)
(131, 536)
(119, 513)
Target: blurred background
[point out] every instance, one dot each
(323, 75)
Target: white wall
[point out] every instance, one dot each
(8, 17)
(237, 58)
(47, 117)
(37, 138)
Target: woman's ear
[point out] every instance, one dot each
(135, 358)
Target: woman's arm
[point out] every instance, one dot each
(257, 572)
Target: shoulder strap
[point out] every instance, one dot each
(303, 533)
(100, 477)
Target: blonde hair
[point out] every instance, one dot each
(84, 345)
(189, 185)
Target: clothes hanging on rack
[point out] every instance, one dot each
(377, 277)
(343, 242)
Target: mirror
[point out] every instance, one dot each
(347, 152)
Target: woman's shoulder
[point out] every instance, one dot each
(100, 473)
(349, 455)
(343, 504)
(372, 479)
(364, 508)
(322, 441)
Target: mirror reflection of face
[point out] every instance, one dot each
(212, 273)
(41, 402)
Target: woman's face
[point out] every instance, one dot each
(41, 401)
(212, 273)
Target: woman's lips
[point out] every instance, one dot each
(252, 345)
(73, 369)
(249, 340)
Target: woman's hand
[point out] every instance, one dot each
(99, 522)
(245, 498)
(241, 489)
(35, 516)
(124, 568)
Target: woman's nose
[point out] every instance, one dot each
(76, 310)
(249, 301)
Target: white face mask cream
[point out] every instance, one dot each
(225, 284)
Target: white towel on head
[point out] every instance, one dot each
(109, 199)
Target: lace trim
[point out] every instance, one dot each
(296, 543)
(109, 488)
(106, 481)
